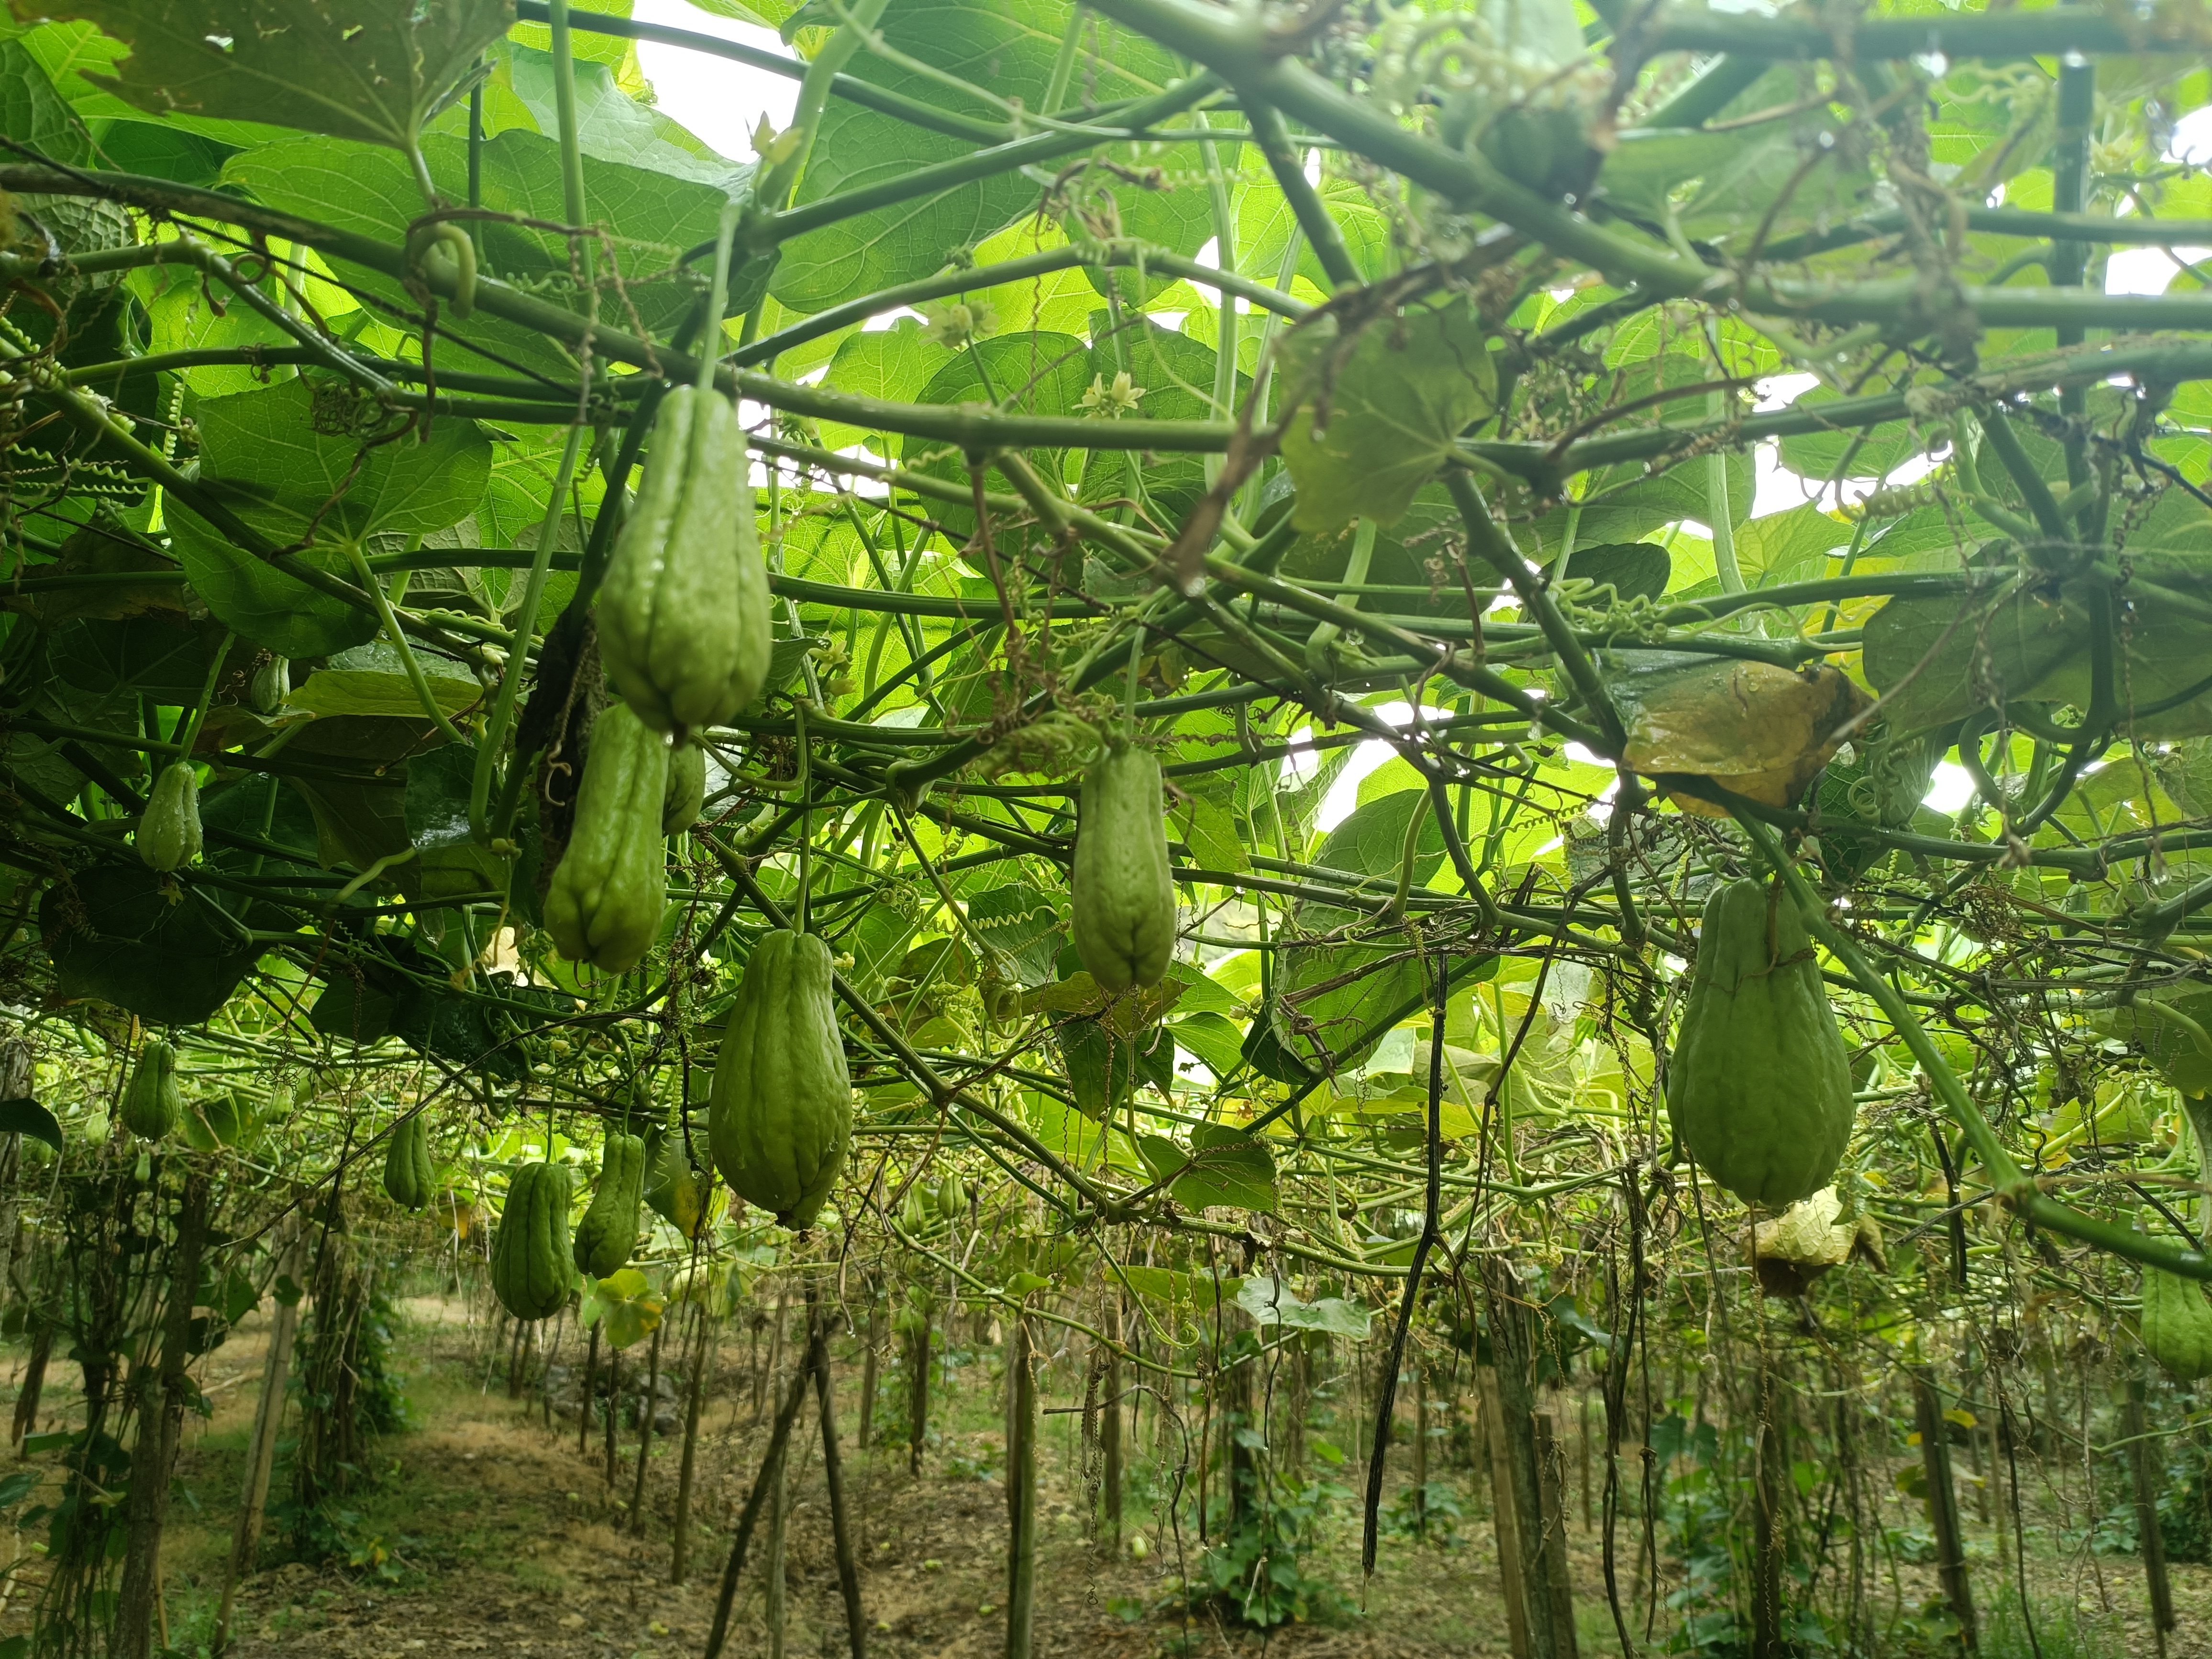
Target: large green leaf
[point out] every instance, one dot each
(649, 218)
(1008, 47)
(1334, 996)
(1024, 373)
(1174, 373)
(367, 69)
(1380, 418)
(264, 454)
(171, 957)
(31, 112)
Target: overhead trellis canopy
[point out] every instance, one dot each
(1513, 469)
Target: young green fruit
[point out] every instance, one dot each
(2177, 1324)
(686, 797)
(604, 903)
(1759, 1088)
(169, 833)
(270, 684)
(781, 1111)
(951, 1198)
(408, 1181)
(153, 1102)
(608, 1231)
(684, 615)
(914, 1215)
(531, 1272)
(1124, 906)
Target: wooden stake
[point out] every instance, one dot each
(702, 1350)
(1943, 1505)
(648, 1408)
(847, 1547)
(261, 1449)
(1504, 1519)
(2134, 1429)
(1021, 1487)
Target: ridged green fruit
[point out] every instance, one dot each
(913, 1214)
(409, 1180)
(684, 615)
(685, 1198)
(2177, 1324)
(608, 1231)
(531, 1272)
(951, 1198)
(169, 833)
(1759, 1088)
(780, 1112)
(604, 902)
(153, 1102)
(686, 795)
(1124, 906)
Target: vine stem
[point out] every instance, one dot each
(572, 154)
(2011, 1184)
(525, 627)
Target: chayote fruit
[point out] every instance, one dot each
(686, 795)
(608, 1232)
(2177, 1324)
(1759, 1087)
(1125, 904)
(683, 614)
(153, 1102)
(781, 1111)
(604, 902)
(169, 833)
(409, 1180)
(531, 1272)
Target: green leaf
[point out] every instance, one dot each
(171, 957)
(1176, 375)
(650, 219)
(623, 1306)
(370, 680)
(265, 454)
(1334, 995)
(31, 112)
(1021, 922)
(612, 126)
(1022, 373)
(25, 1116)
(367, 69)
(1228, 1169)
(892, 363)
(1213, 1039)
(1006, 46)
(1209, 829)
(1270, 1302)
(437, 798)
(162, 658)
(1395, 403)
(1631, 569)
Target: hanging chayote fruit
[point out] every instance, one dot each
(1759, 1087)
(780, 1112)
(604, 902)
(169, 833)
(1125, 905)
(684, 615)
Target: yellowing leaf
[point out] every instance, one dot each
(1752, 727)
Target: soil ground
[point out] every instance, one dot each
(483, 1532)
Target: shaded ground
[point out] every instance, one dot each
(486, 1533)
